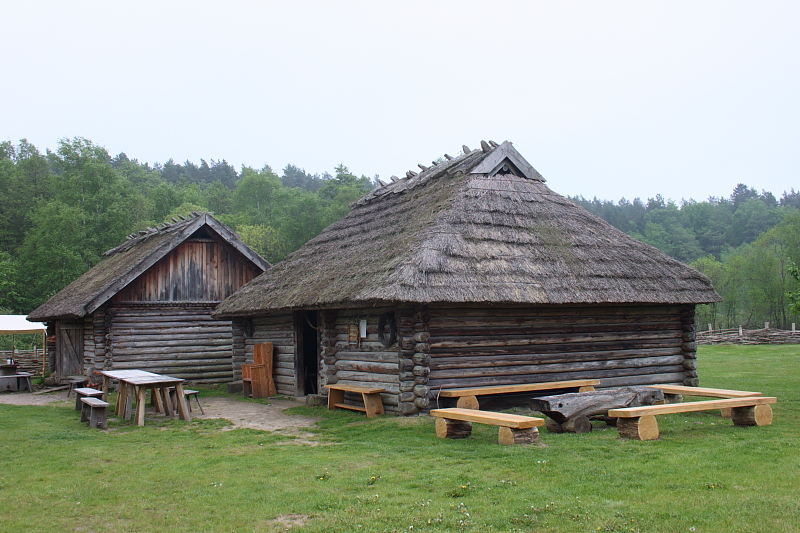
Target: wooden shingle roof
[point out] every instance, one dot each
(480, 228)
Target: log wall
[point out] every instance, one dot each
(367, 362)
(279, 330)
(179, 340)
(621, 345)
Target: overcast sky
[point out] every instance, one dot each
(606, 99)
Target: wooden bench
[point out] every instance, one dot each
(94, 412)
(640, 422)
(85, 392)
(14, 382)
(371, 397)
(468, 396)
(456, 423)
(675, 394)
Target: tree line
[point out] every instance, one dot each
(60, 210)
(746, 243)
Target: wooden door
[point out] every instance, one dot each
(69, 349)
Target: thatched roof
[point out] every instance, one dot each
(126, 262)
(479, 228)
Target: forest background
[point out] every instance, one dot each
(60, 210)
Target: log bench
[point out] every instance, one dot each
(94, 412)
(640, 422)
(456, 423)
(85, 392)
(675, 394)
(468, 396)
(371, 397)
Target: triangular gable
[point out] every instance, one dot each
(504, 160)
(166, 247)
(128, 261)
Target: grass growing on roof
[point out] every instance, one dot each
(392, 474)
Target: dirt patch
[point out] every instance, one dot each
(287, 522)
(240, 414)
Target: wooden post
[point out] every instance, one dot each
(468, 402)
(453, 429)
(140, 404)
(507, 435)
(754, 415)
(642, 428)
(180, 398)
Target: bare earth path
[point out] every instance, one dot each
(241, 414)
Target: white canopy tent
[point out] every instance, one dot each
(10, 324)
(19, 325)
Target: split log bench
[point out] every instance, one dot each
(468, 396)
(675, 393)
(85, 392)
(371, 397)
(572, 413)
(640, 422)
(94, 412)
(456, 423)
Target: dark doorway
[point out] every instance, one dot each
(308, 350)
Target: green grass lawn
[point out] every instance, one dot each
(392, 474)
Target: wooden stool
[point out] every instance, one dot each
(94, 412)
(75, 381)
(85, 392)
(188, 393)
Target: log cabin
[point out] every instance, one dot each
(147, 305)
(471, 272)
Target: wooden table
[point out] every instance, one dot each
(136, 382)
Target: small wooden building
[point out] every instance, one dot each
(471, 272)
(148, 304)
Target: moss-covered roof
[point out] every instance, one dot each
(481, 228)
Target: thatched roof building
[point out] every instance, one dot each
(148, 303)
(476, 238)
(482, 228)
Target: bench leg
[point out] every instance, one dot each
(335, 396)
(453, 429)
(373, 404)
(517, 436)
(726, 412)
(97, 418)
(754, 415)
(85, 412)
(468, 402)
(642, 428)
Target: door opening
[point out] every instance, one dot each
(308, 338)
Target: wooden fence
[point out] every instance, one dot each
(740, 335)
(28, 360)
